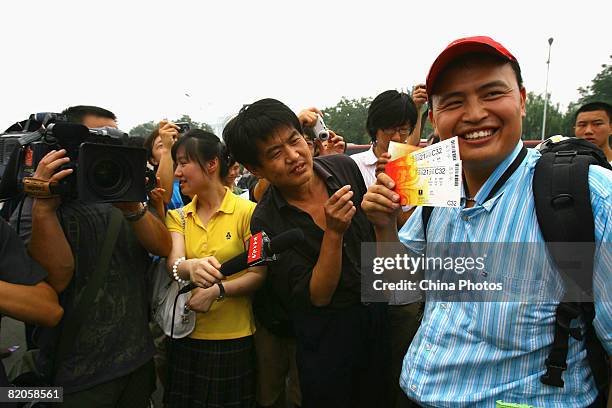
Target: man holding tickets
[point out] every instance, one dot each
(473, 354)
(342, 344)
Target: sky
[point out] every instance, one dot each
(154, 60)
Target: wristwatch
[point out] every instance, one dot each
(221, 292)
(138, 214)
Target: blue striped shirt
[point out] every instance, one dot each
(472, 354)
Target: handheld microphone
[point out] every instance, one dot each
(261, 250)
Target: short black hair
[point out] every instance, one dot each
(76, 114)
(390, 109)
(257, 121)
(202, 146)
(473, 58)
(595, 106)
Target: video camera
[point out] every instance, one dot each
(106, 169)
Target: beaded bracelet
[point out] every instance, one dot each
(175, 270)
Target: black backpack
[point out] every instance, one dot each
(563, 208)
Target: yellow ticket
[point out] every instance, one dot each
(427, 177)
(446, 151)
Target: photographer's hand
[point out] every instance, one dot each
(168, 133)
(47, 171)
(335, 145)
(419, 96)
(308, 117)
(48, 244)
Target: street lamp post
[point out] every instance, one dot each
(550, 41)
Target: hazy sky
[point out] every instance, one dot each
(140, 59)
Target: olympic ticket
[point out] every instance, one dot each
(446, 151)
(427, 177)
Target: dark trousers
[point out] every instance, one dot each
(130, 391)
(404, 323)
(343, 356)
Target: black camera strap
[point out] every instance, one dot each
(74, 321)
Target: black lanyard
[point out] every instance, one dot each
(502, 180)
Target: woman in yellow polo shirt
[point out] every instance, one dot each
(214, 366)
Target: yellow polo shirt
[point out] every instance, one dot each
(223, 237)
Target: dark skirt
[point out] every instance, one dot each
(211, 373)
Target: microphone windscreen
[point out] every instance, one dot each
(234, 265)
(285, 240)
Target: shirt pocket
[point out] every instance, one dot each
(510, 326)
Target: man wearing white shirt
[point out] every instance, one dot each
(392, 117)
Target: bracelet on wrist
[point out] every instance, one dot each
(136, 215)
(175, 270)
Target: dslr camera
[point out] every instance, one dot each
(105, 168)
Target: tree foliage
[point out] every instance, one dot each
(532, 123)
(348, 119)
(600, 88)
(145, 129)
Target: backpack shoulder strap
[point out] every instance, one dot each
(73, 322)
(563, 209)
(182, 214)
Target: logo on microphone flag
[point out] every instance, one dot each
(255, 248)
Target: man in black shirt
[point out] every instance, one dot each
(24, 295)
(342, 344)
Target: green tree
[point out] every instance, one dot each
(145, 129)
(600, 88)
(348, 119)
(532, 123)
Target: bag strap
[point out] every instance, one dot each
(182, 214)
(563, 208)
(73, 323)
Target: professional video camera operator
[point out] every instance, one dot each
(103, 354)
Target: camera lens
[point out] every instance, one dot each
(106, 174)
(109, 177)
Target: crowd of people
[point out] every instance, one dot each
(296, 332)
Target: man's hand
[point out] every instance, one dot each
(419, 96)
(202, 299)
(381, 163)
(204, 272)
(335, 145)
(309, 116)
(47, 170)
(381, 204)
(339, 210)
(168, 133)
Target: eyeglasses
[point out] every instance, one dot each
(403, 131)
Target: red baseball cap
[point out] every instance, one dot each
(462, 46)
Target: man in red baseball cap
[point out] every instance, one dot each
(474, 353)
